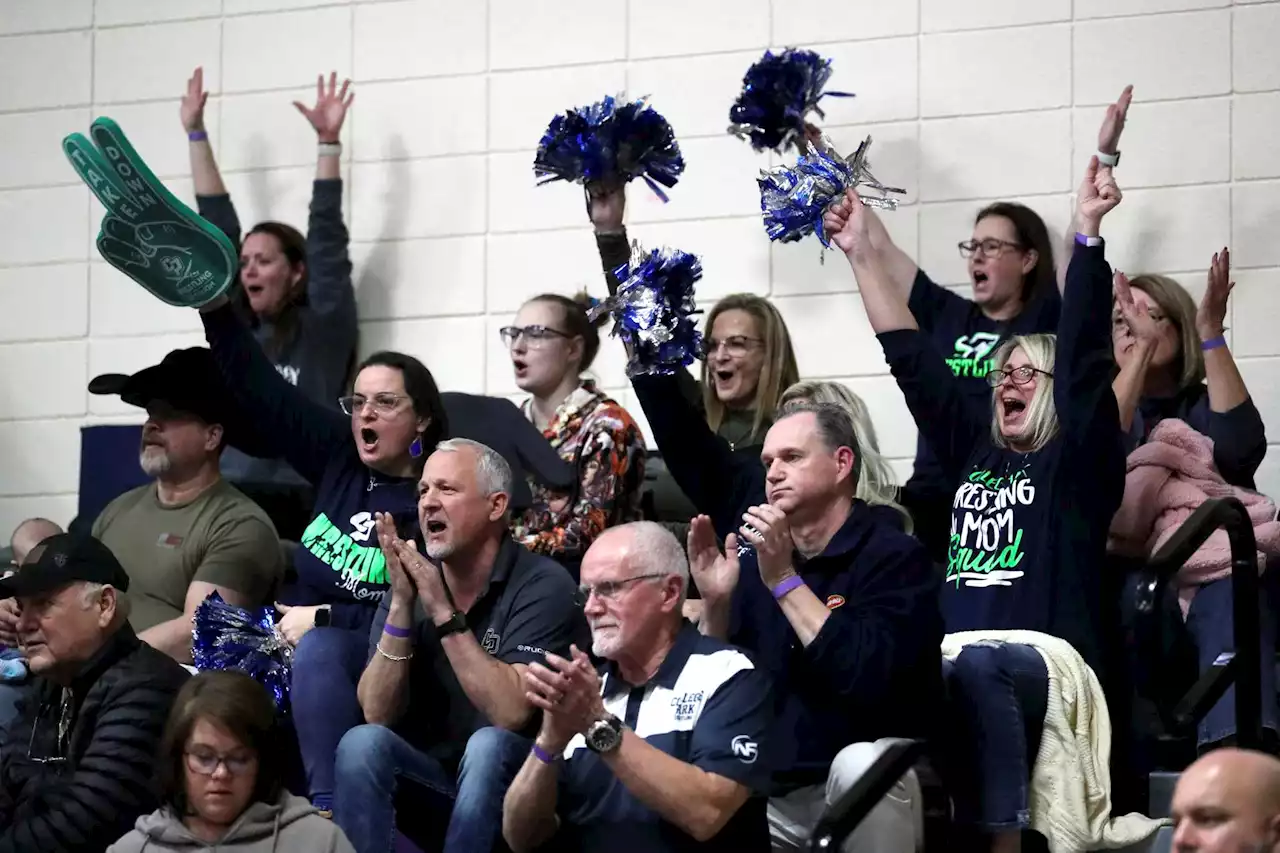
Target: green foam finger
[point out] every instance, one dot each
(93, 169)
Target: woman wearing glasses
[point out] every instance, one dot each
(1036, 475)
(221, 779)
(1174, 363)
(551, 344)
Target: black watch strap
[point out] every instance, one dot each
(324, 617)
(455, 624)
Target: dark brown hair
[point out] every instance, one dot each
(1032, 234)
(293, 245)
(577, 322)
(232, 701)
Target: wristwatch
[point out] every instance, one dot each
(455, 624)
(604, 736)
(324, 616)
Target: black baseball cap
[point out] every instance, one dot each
(65, 558)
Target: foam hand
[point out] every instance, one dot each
(147, 233)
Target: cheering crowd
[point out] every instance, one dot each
(511, 627)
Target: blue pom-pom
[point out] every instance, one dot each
(653, 310)
(230, 637)
(611, 143)
(778, 91)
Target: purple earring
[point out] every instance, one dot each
(415, 449)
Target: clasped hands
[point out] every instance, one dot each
(567, 690)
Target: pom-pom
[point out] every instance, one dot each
(611, 143)
(778, 92)
(230, 637)
(794, 198)
(653, 310)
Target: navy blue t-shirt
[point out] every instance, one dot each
(1028, 530)
(707, 706)
(967, 338)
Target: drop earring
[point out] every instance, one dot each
(415, 449)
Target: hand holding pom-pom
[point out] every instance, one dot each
(845, 224)
(778, 92)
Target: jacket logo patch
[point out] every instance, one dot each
(834, 601)
(490, 641)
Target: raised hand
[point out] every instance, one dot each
(716, 574)
(1211, 316)
(568, 692)
(427, 579)
(1139, 321)
(331, 107)
(147, 233)
(403, 592)
(766, 528)
(1113, 122)
(606, 205)
(846, 223)
(192, 109)
(1099, 194)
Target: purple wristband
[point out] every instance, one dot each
(1213, 343)
(542, 755)
(198, 135)
(787, 585)
(392, 630)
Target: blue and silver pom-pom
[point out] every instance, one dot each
(230, 637)
(653, 310)
(610, 142)
(778, 92)
(794, 199)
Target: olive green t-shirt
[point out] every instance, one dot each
(221, 537)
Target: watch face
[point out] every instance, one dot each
(603, 737)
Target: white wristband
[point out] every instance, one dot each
(333, 149)
(1112, 160)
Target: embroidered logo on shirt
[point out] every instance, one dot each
(490, 641)
(834, 601)
(745, 749)
(686, 705)
(971, 351)
(169, 540)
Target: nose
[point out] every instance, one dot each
(774, 472)
(594, 605)
(220, 770)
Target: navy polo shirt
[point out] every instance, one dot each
(526, 610)
(707, 706)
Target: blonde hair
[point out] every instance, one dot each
(778, 371)
(1177, 305)
(877, 484)
(1042, 414)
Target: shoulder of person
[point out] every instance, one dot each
(127, 501)
(132, 841)
(539, 573)
(144, 678)
(232, 506)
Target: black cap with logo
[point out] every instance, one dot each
(62, 559)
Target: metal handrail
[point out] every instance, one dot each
(843, 816)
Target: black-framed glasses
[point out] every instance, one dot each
(610, 590)
(990, 247)
(1018, 375)
(384, 403)
(205, 762)
(534, 336)
(735, 345)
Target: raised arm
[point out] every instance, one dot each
(1133, 329)
(1239, 440)
(304, 432)
(211, 193)
(330, 294)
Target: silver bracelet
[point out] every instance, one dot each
(390, 657)
(329, 148)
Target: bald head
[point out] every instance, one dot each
(28, 535)
(1228, 801)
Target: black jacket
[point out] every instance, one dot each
(104, 775)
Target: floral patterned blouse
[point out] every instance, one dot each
(595, 435)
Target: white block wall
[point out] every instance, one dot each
(968, 101)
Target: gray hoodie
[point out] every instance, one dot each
(291, 825)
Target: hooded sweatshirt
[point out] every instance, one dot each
(290, 825)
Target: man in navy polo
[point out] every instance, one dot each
(842, 613)
(670, 749)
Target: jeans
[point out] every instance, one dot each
(326, 669)
(1211, 624)
(371, 762)
(999, 693)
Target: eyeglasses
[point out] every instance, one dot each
(1119, 323)
(384, 403)
(990, 247)
(535, 337)
(1019, 375)
(735, 345)
(609, 590)
(206, 762)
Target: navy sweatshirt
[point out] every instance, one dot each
(1028, 530)
(967, 339)
(339, 562)
(319, 356)
(1239, 439)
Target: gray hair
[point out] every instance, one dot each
(835, 428)
(492, 471)
(659, 551)
(89, 592)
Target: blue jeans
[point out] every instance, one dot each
(1211, 624)
(326, 669)
(372, 760)
(999, 693)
